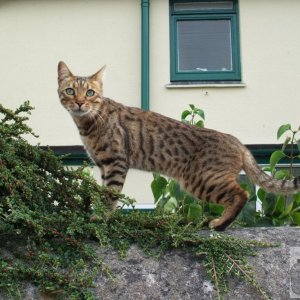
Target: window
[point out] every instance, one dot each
(204, 40)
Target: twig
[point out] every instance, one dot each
(252, 280)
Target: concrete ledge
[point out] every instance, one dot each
(180, 276)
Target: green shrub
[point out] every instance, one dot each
(51, 217)
(44, 214)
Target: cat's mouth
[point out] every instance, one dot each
(79, 111)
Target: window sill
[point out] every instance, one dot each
(195, 84)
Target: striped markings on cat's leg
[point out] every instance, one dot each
(233, 202)
(114, 176)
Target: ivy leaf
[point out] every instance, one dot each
(189, 199)
(215, 209)
(200, 124)
(200, 113)
(195, 212)
(158, 186)
(275, 158)
(282, 129)
(185, 114)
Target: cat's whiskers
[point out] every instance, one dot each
(95, 116)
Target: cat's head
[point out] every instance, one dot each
(79, 95)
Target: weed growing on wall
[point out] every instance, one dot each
(52, 219)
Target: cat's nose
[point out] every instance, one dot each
(79, 104)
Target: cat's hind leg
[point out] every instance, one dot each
(233, 201)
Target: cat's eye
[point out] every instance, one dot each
(70, 91)
(90, 93)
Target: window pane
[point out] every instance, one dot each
(203, 5)
(204, 45)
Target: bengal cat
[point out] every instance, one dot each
(205, 162)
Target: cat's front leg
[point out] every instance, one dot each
(114, 176)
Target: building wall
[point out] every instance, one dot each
(35, 35)
(270, 60)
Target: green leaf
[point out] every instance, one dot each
(158, 186)
(200, 124)
(160, 204)
(200, 113)
(298, 144)
(296, 198)
(282, 129)
(278, 222)
(192, 106)
(175, 190)
(266, 169)
(281, 174)
(286, 142)
(296, 218)
(170, 205)
(287, 211)
(275, 158)
(261, 194)
(280, 204)
(268, 204)
(215, 209)
(185, 114)
(194, 212)
(189, 199)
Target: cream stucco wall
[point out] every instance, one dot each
(270, 53)
(35, 35)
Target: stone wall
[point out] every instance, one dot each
(180, 276)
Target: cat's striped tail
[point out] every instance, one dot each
(265, 181)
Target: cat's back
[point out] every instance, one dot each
(167, 131)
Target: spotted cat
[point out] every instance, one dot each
(205, 162)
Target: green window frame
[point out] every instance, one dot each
(215, 22)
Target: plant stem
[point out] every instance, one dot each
(250, 278)
(292, 154)
(215, 276)
(193, 117)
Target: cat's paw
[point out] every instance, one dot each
(217, 224)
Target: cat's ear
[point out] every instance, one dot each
(100, 75)
(63, 71)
